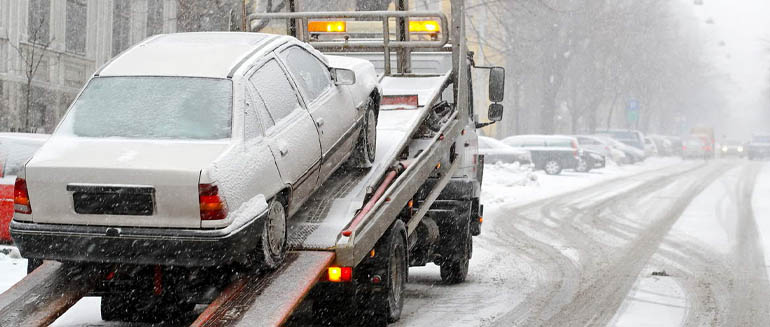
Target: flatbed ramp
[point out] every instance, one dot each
(46, 293)
(267, 300)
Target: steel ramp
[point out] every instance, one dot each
(267, 299)
(46, 293)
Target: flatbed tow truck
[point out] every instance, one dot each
(352, 243)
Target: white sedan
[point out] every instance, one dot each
(193, 149)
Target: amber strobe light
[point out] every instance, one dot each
(424, 26)
(213, 206)
(21, 197)
(327, 27)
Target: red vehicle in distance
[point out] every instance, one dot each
(15, 150)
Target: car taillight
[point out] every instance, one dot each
(213, 206)
(21, 197)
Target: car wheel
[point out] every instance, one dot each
(552, 167)
(365, 149)
(583, 167)
(271, 247)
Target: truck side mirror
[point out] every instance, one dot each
(495, 112)
(342, 76)
(496, 84)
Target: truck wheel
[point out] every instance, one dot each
(388, 303)
(271, 247)
(552, 167)
(366, 146)
(454, 269)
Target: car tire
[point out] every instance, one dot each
(583, 167)
(365, 149)
(552, 167)
(271, 246)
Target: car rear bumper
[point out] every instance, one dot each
(132, 245)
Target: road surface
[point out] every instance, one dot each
(609, 255)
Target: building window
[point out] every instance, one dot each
(121, 25)
(75, 34)
(39, 21)
(154, 17)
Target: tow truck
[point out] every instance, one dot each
(352, 243)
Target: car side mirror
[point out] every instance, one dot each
(495, 112)
(342, 76)
(496, 84)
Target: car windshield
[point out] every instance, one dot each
(152, 108)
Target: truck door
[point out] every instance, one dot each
(330, 106)
(290, 131)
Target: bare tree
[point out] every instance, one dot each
(31, 60)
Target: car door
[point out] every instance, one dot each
(290, 131)
(330, 106)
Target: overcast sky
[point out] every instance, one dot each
(744, 27)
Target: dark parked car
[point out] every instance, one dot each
(759, 147)
(549, 152)
(495, 151)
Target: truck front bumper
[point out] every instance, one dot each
(138, 245)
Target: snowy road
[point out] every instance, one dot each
(663, 244)
(587, 258)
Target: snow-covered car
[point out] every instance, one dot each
(15, 150)
(193, 149)
(551, 153)
(650, 149)
(630, 137)
(632, 154)
(495, 151)
(601, 146)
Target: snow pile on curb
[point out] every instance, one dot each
(505, 177)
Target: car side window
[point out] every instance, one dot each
(276, 92)
(311, 74)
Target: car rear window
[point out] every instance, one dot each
(152, 108)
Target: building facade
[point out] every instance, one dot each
(55, 45)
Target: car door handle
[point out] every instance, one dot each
(283, 149)
(319, 122)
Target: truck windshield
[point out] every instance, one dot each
(152, 108)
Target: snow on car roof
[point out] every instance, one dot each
(184, 54)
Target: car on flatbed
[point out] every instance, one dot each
(193, 149)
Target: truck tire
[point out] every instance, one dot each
(454, 269)
(365, 149)
(387, 304)
(271, 247)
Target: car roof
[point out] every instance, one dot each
(182, 54)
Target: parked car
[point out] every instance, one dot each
(632, 154)
(15, 150)
(676, 145)
(549, 152)
(695, 148)
(662, 145)
(592, 159)
(650, 149)
(601, 146)
(630, 137)
(495, 151)
(731, 148)
(759, 147)
(195, 149)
